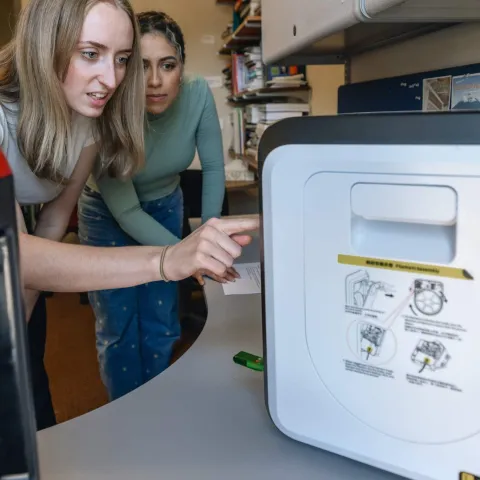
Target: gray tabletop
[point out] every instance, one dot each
(203, 418)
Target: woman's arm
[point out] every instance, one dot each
(210, 151)
(40, 256)
(54, 216)
(53, 266)
(59, 267)
(122, 200)
(53, 219)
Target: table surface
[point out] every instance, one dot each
(203, 418)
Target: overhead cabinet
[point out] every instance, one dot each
(324, 31)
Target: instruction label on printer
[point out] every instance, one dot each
(410, 267)
(468, 476)
(396, 343)
(404, 321)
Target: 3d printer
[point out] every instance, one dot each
(390, 197)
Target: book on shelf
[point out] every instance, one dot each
(272, 117)
(269, 112)
(281, 107)
(263, 94)
(250, 121)
(263, 116)
(237, 171)
(238, 73)
(255, 69)
(248, 73)
(287, 81)
(279, 72)
(247, 8)
(237, 122)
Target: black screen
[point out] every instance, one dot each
(18, 455)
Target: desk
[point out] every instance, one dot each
(204, 418)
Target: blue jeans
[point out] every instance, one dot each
(136, 328)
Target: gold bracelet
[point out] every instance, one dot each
(163, 277)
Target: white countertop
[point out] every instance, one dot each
(203, 418)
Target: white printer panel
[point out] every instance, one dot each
(383, 411)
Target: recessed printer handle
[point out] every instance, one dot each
(427, 204)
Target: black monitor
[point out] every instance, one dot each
(18, 450)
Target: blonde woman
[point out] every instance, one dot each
(71, 86)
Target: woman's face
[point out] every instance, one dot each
(163, 71)
(99, 63)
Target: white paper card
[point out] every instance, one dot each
(249, 282)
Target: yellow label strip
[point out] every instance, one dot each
(417, 268)
(468, 476)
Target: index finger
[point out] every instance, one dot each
(231, 226)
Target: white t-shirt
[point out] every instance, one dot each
(29, 189)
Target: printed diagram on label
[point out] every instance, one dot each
(431, 355)
(361, 291)
(371, 342)
(370, 339)
(429, 297)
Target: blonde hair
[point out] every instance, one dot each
(32, 76)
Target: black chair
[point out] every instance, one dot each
(191, 185)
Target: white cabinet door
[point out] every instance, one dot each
(428, 10)
(290, 25)
(371, 8)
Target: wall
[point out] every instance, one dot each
(325, 80)
(451, 47)
(8, 10)
(447, 48)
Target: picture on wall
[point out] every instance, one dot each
(436, 93)
(466, 92)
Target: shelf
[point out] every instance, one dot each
(264, 93)
(247, 34)
(251, 162)
(239, 185)
(358, 39)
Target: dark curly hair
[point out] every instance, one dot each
(160, 22)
